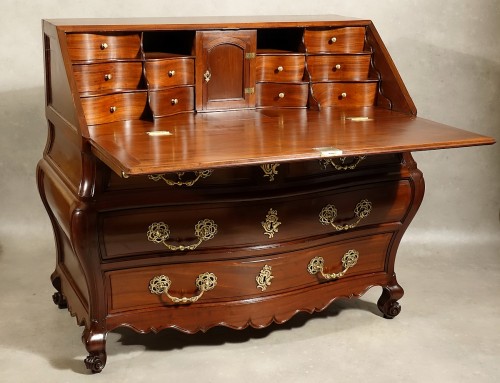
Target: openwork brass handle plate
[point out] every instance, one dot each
(316, 265)
(204, 230)
(329, 214)
(199, 174)
(161, 284)
(343, 164)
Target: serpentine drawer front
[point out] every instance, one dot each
(225, 171)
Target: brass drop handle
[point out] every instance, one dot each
(329, 214)
(198, 175)
(316, 265)
(204, 230)
(108, 77)
(281, 95)
(342, 166)
(104, 46)
(207, 75)
(112, 109)
(171, 73)
(333, 40)
(174, 101)
(280, 68)
(161, 284)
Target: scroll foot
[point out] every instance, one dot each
(387, 302)
(95, 343)
(95, 363)
(60, 300)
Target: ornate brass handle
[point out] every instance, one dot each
(342, 166)
(198, 175)
(204, 230)
(329, 213)
(316, 265)
(161, 284)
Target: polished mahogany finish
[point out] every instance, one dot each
(292, 189)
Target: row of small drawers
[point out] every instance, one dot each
(111, 46)
(99, 77)
(138, 288)
(131, 105)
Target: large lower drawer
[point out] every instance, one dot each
(254, 224)
(141, 288)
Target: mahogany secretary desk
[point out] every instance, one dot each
(225, 171)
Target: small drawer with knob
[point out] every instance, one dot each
(168, 72)
(347, 94)
(280, 67)
(197, 283)
(104, 46)
(171, 101)
(281, 95)
(114, 107)
(338, 67)
(335, 40)
(106, 77)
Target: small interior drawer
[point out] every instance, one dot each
(338, 67)
(335, 40)
(280, 68)
(114, 107)
(104, 77)
(347, 94)
(103, 46)
(281, 95)
(171, 101)
(167, 72)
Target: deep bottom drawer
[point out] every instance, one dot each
(249, 278)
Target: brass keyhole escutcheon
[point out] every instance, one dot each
(207, 75)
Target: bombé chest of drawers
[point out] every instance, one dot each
(225, 171)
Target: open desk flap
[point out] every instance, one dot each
(219, 139)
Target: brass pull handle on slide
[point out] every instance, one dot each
(161, 284)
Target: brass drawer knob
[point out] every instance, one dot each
(104, 46)
(174, 101)
(280, 68)
(343, 95)
(281, 95)
(171, 73)
(329, 214)
(337, 67)
(204, 230)
(112, 109)
(108, 77)
(316, 265)
(161, 284)
(333, 40)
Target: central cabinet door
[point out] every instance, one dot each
(225, 69)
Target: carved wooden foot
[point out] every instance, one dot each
(95, 342)
(387, 302)
(59, 300)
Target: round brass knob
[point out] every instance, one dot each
(171, 73)
(337, 66)
(281, 95)
(112, 109)
(280, 69)
(343, 95)
(108, 77)
(333, 40)
(104, 46)
(174, 101)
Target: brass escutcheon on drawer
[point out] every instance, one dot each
(329, 213)
(161, 284)
(316, 265)
(204, 230)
